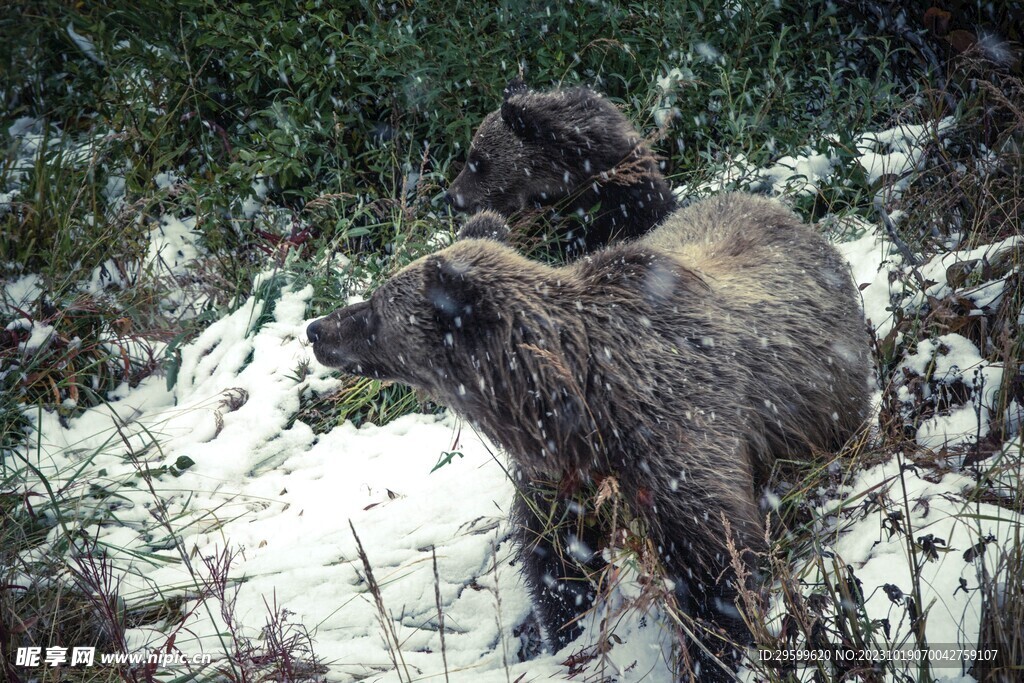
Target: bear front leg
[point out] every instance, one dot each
(707, 588)
(560, 556)
(713, 604)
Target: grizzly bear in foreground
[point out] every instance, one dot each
(569, 150)
(681, 364)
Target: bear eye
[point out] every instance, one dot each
(475, 165)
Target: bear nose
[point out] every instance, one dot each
(456, 200)
(313, 331)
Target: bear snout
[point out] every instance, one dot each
(455, 199)
(463, 195)
(313, 331)
(340, 339)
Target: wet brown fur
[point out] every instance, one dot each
(682, 363)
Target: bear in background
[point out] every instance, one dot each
(682, 364)
(570, 151)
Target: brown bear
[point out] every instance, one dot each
(568, 150)
(682, 364)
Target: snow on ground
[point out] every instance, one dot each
(894, 153)
(19, 294)
(39, 334)
(897, 151)
(940, 510)
(242, 473)
(872, 260)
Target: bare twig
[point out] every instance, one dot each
(440, 612)
(386, 623)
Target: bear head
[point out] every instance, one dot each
(540, 149)
(433, 323)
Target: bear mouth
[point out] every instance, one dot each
(332, 357)
(338, 359)
(461, 205)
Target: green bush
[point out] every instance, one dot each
(349, 98)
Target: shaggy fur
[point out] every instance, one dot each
(571, 151)
(486, 225)
(682, 364)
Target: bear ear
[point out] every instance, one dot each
(450, 290)
(517, 86)
(516, 115)
(527, 122)
(485, 225)
(547, 117)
